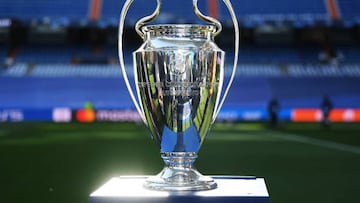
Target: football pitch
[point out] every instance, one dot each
(47, 162)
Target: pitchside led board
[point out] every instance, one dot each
(65, 114)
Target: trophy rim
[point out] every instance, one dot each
(180, 29)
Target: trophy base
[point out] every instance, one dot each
(179, 174)
(231, 189)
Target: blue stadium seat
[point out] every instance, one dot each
(352, 70)
(258, 69)
(67, 70)
(293, 13)
(349, 9)
(267, 54)
(17, 70)
(181, 12)
(67, 53)
(323, 70)
(50, 54)
(281, 8)
(62, 12)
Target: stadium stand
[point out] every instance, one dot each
(263, 10)
(278, 54)
(58, 49)
(257, 10)
(39, 9)
(182, 13)
(311, 70)
(17, 70)
(74, 54)
(351, 53)
(66, 70)
(248, 54)
(350, 10)
(109, 92)
(50, 54)
(257, 69)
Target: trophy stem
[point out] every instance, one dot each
(179, 174)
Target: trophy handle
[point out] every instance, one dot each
(147, 19)
(139, 24)
(207, 19)
(237, 42)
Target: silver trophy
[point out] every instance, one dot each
(179, 74)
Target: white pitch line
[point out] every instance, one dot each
(317, 142)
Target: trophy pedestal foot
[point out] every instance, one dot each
(175, 179)
(179, 174)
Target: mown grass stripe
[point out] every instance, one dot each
(317, 142)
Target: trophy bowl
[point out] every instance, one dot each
(179, 75)
(179, 72)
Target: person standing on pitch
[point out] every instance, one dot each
(273, 109)
(326, 107)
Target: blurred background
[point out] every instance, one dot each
(67, 123)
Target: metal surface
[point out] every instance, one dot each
(179, 74)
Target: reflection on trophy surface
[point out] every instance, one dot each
(178, 83)
(179, 73)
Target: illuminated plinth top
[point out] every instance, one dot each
(231, 189)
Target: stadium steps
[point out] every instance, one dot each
(315, 70)
(17, 70)
(258, 69)
(65, 70)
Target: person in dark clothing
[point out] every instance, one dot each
(326, 107)
(273, 110)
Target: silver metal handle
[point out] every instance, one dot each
(136, 102)
(150, 18)
(156, 13)
(147, 19)
(207, 19)
(236, 47)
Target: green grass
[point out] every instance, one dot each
(346, 133)
(44, 162)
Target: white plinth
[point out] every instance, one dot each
(231, 189)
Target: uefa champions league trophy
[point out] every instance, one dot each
(179, 74)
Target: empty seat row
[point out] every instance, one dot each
(110, 9)
(269, 70)
(248, 54)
